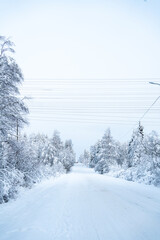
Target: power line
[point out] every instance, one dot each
(149, 108)
(113, 114)
(131, 108)
(58, 120)
(93, 79)
(88, 120)
(113, 98)
(94, 117)
(144, 114)
(82, 82)
(94, 110)
(104, 94)
(55, 85)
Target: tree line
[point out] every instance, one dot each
(137, 160)
(24, 160)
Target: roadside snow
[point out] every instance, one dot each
(83, 205)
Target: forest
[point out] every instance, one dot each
(24, 160)
(138, 160)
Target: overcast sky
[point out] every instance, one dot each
(87, 64)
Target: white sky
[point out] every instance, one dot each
(61, 46)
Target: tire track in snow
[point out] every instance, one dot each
(83, 205)
(63, 224)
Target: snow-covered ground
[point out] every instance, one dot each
(83, 205)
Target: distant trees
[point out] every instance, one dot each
(85, 158)
(24, 160)
(30, 160)
(68, 156)
(137, 160)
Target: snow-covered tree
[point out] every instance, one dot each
(12, 108)
(121, 153)
(138, 160)
(107, 154)
(85, 158)
(57, 143)
(23, 160)
(136, 147)
(152, 144)
(12, 112)
(94, 154)
(152, 163)
(49, 154)
(68, 155)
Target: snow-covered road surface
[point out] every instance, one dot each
(83, 205)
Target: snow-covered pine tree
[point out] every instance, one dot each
(107, 154)
(57, 143)
(152, 151)
(12, 112)
(136, 147)
(94, 154)
(12, 108)
(68, 156)
(120, 153)
(85, 158)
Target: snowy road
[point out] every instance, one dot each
(83, 205)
